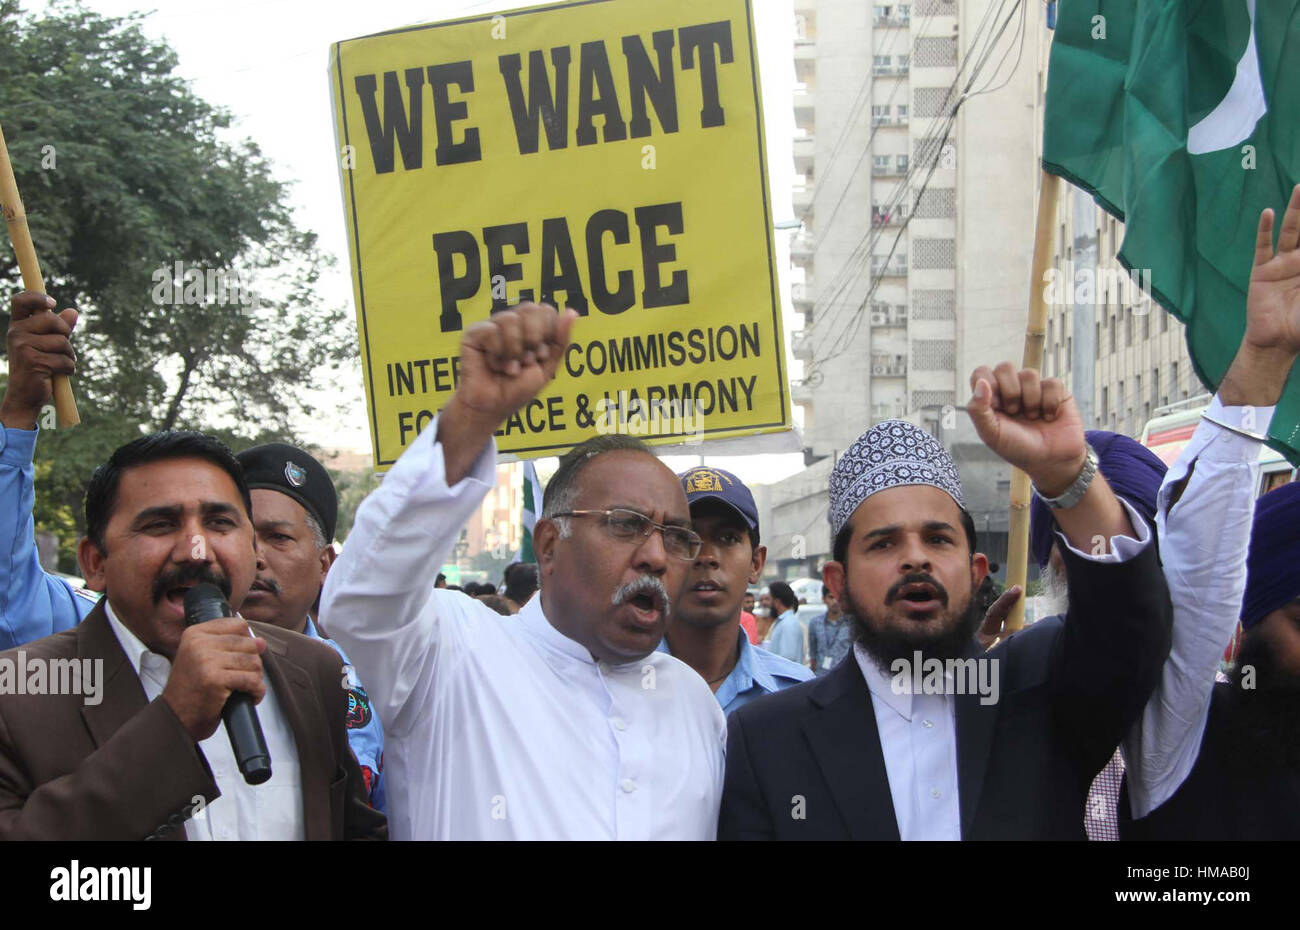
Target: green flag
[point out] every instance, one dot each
(532, 507)
(1182, 118)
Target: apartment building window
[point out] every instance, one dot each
(1137, 390)
(1146, 324)
(1096, 344)
(902, 112)
(1114, 329)
(1119, 395)
(880, 112)
(902, 163)
(1128, 327)
(1155, 386)
(1164, 321)
(903, 61)
(881, 61)
(880, 162)
(1174, 390)
(1105, 403)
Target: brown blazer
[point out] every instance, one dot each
(125, 769)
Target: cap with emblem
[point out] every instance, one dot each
(891, 454)
(702, 483)
(278, 466)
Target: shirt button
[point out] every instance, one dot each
(928, 724)
(619, 723)
(936, 793)
(628, 785)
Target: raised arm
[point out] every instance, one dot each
(374, 600)
(33, 604)
(1206, 505)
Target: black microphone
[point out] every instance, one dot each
(206, 602)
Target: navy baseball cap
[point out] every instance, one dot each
(704, 483)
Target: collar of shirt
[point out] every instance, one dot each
(147, 664)
(310, 630)
(881, 684)
(748, 672)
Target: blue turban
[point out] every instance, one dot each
(1273, 565)
(1131, 469)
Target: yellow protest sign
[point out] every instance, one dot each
(604, 155)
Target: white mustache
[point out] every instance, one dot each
(645, 584)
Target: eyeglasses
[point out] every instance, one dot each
(628, 524)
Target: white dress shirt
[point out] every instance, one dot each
(502, 727)
(918, 732)
(1203, 544)
(269, 811)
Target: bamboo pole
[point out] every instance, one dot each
(65, 404)
(1035, 329)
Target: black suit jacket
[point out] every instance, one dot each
(125, 768)
(806, 763)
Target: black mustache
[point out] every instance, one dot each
(190, 572)
(917, 578)
(269, 585)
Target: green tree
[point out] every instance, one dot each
(125, 172)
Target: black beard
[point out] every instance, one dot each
(1266, 717)
(887, 646)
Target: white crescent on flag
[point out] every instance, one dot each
(1233, 120)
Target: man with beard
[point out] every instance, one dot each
(1223, 761)
(704, 628)
(295, 508)
(146, 756)
(562, 722)
(862, 753)
(1244, 747)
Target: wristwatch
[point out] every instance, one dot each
(1074, 493)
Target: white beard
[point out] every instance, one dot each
(1055, 592)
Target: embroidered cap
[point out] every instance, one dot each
(891, 454)
(701, 483)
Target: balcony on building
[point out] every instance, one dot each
(804, 148)
(801, 297)
(802, 246)
(801, 344)
(894, 14)
(888, 167)
(889, 366)
(887, 314)
(802, 198)
(801, 394)
(889, 216)
(805, 101)
(884, 269)
(895, 69)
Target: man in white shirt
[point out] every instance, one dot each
(1206, 762)
(561, 722)
(141, 753)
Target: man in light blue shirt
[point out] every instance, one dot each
(786, 638)
(703, 628)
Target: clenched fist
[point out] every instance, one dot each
(39, 349)
(214, 659)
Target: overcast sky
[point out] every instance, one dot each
(266, 61)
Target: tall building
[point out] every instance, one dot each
(917, 140)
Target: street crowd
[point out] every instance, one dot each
(624, 686)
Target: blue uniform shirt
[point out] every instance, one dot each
(757, 672)
(786, 638)
(34, 605)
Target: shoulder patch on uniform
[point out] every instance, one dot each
(358, 708)
(92, 596)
